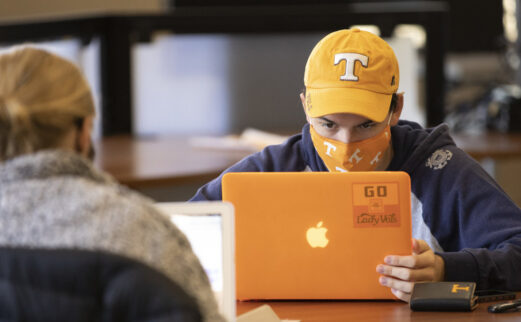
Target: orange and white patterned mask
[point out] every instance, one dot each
(363, 155)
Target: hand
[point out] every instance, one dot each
(401, 272)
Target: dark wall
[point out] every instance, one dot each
(474, 25)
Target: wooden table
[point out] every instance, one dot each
(490, 145)
(329, 311)
(170, 161)
(173, 161)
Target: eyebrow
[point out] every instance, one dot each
(366, 123)
(326, 119)
(361, 124)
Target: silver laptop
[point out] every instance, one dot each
(209, 226)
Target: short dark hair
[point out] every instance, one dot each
(394, 102)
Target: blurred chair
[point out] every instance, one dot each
(81, 285)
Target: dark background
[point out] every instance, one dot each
(475, 25)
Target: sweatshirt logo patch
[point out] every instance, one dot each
(439, 159)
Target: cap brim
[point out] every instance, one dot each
(324, 101)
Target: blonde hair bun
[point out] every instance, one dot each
(41, 97)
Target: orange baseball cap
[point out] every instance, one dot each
(351, 71)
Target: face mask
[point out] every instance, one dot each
(363, 155)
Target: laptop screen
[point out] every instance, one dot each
(209, 226)
(204, 231)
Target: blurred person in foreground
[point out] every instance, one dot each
(51, 196)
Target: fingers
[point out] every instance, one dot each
(401, 272)
(422, 256)
(413, 261)
(407, 274)
(406, 297)
(403, 286)
(400, 289)
(398, 272)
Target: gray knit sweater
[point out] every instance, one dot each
(56, 199)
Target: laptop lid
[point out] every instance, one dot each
(209, 226)
(317, 235)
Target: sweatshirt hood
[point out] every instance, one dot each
(413, 145)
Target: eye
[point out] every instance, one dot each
(328, 125)
(367, 125)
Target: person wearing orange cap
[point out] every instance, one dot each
(465, 227)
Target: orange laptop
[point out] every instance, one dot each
(317, 235)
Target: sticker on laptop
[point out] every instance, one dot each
(376, 205)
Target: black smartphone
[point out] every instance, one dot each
(494, 295)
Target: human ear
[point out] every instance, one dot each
(395, 117)
(84, 136)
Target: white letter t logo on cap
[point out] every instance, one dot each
(350, 59)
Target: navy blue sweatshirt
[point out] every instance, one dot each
(457, 208)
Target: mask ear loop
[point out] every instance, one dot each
(389, 120)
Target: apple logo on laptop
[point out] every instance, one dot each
(316, 236)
